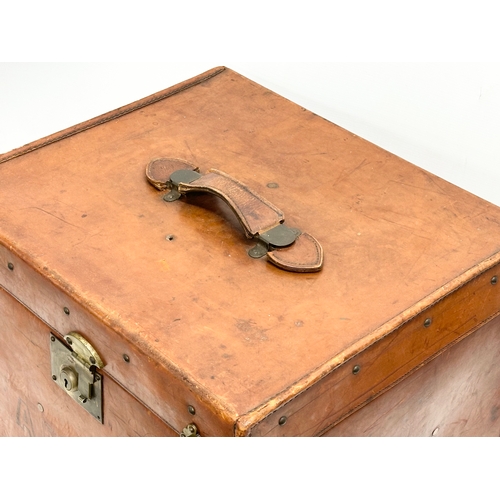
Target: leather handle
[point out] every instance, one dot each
(255, 213)
(286, 247)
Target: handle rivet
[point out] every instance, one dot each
(356, 370)
(191, 410)
(254, 252)
(282, 421)
(427, 322)
(10, 266)
(494, 280)
(172, 196)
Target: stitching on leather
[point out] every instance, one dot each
(301, 263)
(112, 117)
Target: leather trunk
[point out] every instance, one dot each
(376, 317)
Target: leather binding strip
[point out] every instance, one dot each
(117, 113)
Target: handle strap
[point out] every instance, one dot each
(286, 247)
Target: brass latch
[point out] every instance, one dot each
(74, 370)
(190, 431)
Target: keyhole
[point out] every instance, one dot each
(70, 378)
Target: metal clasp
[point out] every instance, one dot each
(74, 370)
(190, 431)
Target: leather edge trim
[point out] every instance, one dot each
(111, 115)
(313, 264)
(225, 411)
(247, 421)
(410, 372)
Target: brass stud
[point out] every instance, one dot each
(10, 266)
(494, 280)
(356, 370)
(282, 421)
(126, 358)
(66, 311)
(92, 360)
(191, 410)
(427, 322)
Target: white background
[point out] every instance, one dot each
(444, 117)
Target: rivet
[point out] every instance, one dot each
(273, 185)
(10, 266)
(170, 237)
(69, 341)
(494, 280)
(126, 358)
(52, 338)
(282, 420)
(66, 311)
(427, 322)
(40, 407)
(255, 252)
(92, 360)
(191, 410)
(97, 377)
(172, 196)
(54, 377)
(356, 369)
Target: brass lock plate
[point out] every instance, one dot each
(74, 371)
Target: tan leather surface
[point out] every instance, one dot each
(383, 364)
(456, 394)
(80, 211)
(155, 381)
